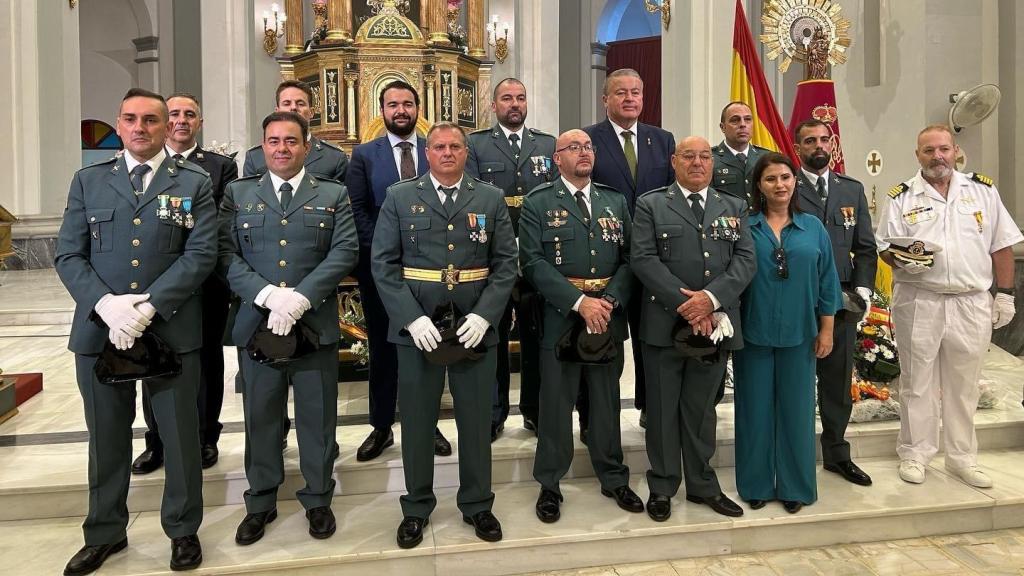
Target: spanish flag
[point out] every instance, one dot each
(750, 86)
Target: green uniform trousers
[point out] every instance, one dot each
(774, 395)
(681, 422)
(420, 385)
(559, 386)
(109, 414)
(314, 382)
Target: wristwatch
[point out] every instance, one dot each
(611, 300)
(1009, 291)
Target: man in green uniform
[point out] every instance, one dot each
(735, 156)
(138, 238)
(287, 239)
(516, 159)
(441, 240)
(574, 248)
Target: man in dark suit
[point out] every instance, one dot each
(735, 156)
(325, 161)
(839, 202)
(694, 255)
(286, 240)
(445, 240)
(398, 155)
(186, 121)
(516, 159)
(632, 158)
(137, 240)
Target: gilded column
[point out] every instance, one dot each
(476, 21)
(350, 100)
(339, 21)
(430, 110)
(437, 21)
(293, 27)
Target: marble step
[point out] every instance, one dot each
(592, 531)
(50, 480)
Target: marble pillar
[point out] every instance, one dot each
(476, 20)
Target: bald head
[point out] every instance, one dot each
(574, 156)
(692, 162)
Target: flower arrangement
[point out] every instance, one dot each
(875, 355)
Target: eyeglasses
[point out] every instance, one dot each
(577, 148)
(781, 269)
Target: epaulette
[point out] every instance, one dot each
(215, 153)
(604, 188)
(982, 179)
(540, 187)
(101, 162)
(654, 190)
(187, 165)
(539, 132)
(481, 131)
(329, 145)
(256, 147)
(844, 177)
(895, 191)
(244, 178)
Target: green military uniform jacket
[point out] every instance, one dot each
(671, 250)
(310, 247)
(731, 175)
(112, 242)
(415, 230)
(555, 244)
(325, 161)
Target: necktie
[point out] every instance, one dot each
(821, 188)
(742, 158)
(137, 178)
(449, 198)
(582, 204)
(513, 140)
(286, 195)
(408, 166)
(178, 157)
(698, 212)
(630, 151)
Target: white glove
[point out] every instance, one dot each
(1002, 311)
(280, 324)
(288, 302)
(120, 340)
(723, 327)
(424, 334)
(147, 309)
(913, 267)
(472, 331)
(120, 314)
(866, 294)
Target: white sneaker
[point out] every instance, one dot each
(972, 476)
(912, 471)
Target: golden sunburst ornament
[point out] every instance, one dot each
(789, 27)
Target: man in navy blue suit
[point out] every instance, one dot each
(633, 158)
(375, 165)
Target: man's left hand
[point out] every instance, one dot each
(1002, 310)
(698, 305)
(472, 331)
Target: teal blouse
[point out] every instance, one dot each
(783, 312)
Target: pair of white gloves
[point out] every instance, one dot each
(126, 315)
(286, 307)
(426, 337)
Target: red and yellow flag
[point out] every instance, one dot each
(816, 99)
(749, 86)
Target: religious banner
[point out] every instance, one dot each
(816, 99)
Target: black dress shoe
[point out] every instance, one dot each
(252, 527)
(756, 504)
(496, 428)
(186, 553)
(335, 451)
(643, 418)
(625, 498)
(375, 443)
(147, 462)
(209, 454)
(547, 506)
(583, 436)
(850, 471)
(487, 527)
(90, 558)
(721, 504)
(441, 445)
(792, 506)
(321, 522)
(530, 424)
(659, 507)
(410, 531)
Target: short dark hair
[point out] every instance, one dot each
(143, 93)
(293, 84)
(399, 85)
(509, 80)
(813, 122)
(756, 197)
(190, 97)
(445, 125)
(731, 104)
(287, 116)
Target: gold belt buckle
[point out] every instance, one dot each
(450, 276)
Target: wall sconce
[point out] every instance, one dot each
(665, 8)
(499, 43)
(270, 35)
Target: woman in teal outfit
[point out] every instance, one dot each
(787, 314)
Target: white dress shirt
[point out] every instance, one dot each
(397, 150)
(441, 195)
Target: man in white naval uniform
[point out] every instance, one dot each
(944, 314)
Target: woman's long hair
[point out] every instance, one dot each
(756, 197)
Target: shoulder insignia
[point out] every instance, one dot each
(540, 187)
(246, 178)
(981, 179)
(110, 160)
(329, 144)
(211, 153)
(256, 147)
(602, 187)
(186, 165)
(539, 132)
(481, 131)
(895, 191)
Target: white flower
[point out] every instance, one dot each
(870, 356)
(887, 354)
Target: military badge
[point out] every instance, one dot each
(248, 206)
(978, 218)
(541, 165)
(260, 207)
(849, 221)
(186, 205)
(163, 212)
(417, 209)
(477, 224)
(176, 215)
(919, 214)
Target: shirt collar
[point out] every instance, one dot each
(703, 193)
(572, 189)
(507, 132)
(154, 162)
(798, 220)
(458, 185)
(619, 129)
(294, 181)
(737, 152)
(170, 151)
(395, 140)
(813, 178)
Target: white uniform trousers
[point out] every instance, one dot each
(942, 341)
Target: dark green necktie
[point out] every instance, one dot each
(449, 197)
(821, 188)
(630, 151)
(513, 140)
(698, 212)
(286, 195)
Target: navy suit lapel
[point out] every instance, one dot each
(421, 152)
(611, 143)
(386, 155)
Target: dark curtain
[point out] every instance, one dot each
(644, 56)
